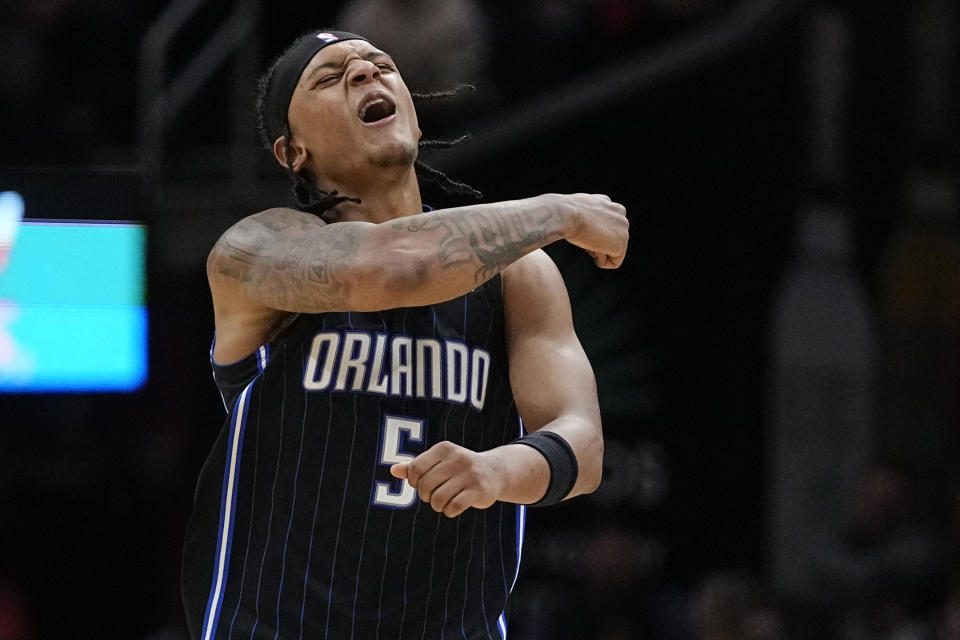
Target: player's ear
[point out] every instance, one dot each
(295, 155)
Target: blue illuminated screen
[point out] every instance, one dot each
(72, 310)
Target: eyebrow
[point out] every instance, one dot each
(335, 64)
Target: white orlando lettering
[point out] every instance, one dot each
(479, 374)
(401, 366)
(356, 352)
(357, 361)
(457, 374)
(378, 380)
(323, 355)
(429, 367)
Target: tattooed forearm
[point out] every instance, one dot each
(290, 261)
(486, 237)
(498, 243)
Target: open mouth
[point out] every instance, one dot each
(376, 107)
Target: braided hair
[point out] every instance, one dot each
(311, 198)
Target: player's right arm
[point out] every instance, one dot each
(289, 261)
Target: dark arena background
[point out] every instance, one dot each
(777, 359)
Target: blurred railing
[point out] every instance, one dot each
(164, 95)
(746, 23)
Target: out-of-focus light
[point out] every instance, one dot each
(72, 311)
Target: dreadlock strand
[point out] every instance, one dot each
(443, 144)
(445, 182)
(309, 198)
(434, 96)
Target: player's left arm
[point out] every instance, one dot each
(555, 390)
(552, 380)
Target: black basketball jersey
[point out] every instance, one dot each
(300, 531)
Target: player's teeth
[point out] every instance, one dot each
(363, 112)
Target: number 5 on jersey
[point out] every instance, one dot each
(394, 428)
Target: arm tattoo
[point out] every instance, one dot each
(318, 272)
(240, 261)
(485, 238)
(311, 260)
(289, 261)
(282, 259)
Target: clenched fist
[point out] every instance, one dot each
(600, 226)
(451, 478)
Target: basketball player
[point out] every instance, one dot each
(371, 477)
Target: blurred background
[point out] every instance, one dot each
(778, 359)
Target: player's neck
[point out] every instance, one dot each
(382, 200)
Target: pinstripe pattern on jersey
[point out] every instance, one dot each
(227, 513)
(317, 559)
(316, 505)
(272, 511)
(256, 464)
(459, 521)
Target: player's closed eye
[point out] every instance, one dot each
(333, 77)
(328, 79)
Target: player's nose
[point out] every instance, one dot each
(362, 71)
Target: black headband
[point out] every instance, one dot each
(286, 75)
